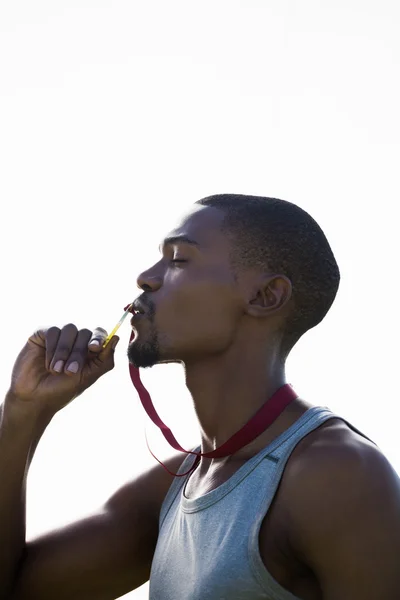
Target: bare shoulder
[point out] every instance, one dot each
(342, 502)
(333, 466)
(105, 555)
(333, 456)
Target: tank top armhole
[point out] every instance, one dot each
(176, 486)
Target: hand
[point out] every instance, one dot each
(56, 366)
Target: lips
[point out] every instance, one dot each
(137, 308)
(137, 311)
(135, 319)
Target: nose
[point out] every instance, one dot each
(149, 281)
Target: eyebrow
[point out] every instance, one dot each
(178, 239)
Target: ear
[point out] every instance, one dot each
(270, 295)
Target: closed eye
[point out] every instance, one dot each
(179, 260)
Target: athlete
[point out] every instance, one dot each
(308, 509)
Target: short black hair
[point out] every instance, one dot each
(278, 236)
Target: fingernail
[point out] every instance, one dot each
(94, 343)
(59, 366)
(73, 367)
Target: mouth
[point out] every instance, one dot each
(135, 318)
(138, 308)
(137, 311)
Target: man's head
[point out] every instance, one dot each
(237, 270)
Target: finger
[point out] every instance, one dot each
(79, 353)
(103, 361)
(52, 335)
(107, 353)
(97, 340)
(63, 348)
(38, 338)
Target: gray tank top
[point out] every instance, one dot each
(207, 547)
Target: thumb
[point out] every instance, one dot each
(106, 355)
(102, 361)
(108, 350)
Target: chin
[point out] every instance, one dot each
(145, 358)
(143, 355)
(152, 349)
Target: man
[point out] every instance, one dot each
(309, 509)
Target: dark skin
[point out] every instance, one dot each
(333, 530)
(216, 323)
(235, 321)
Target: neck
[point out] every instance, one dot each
(228, 389)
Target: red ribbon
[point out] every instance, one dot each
(259, 422)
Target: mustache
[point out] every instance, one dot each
(146, 301)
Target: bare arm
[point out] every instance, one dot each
(103, 556)
(18, 441)
(346, 522)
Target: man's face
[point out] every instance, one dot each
(191, 301)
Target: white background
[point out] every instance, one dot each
(115, 116)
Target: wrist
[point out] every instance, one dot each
(23, 415)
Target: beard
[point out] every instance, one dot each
(145, 354)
